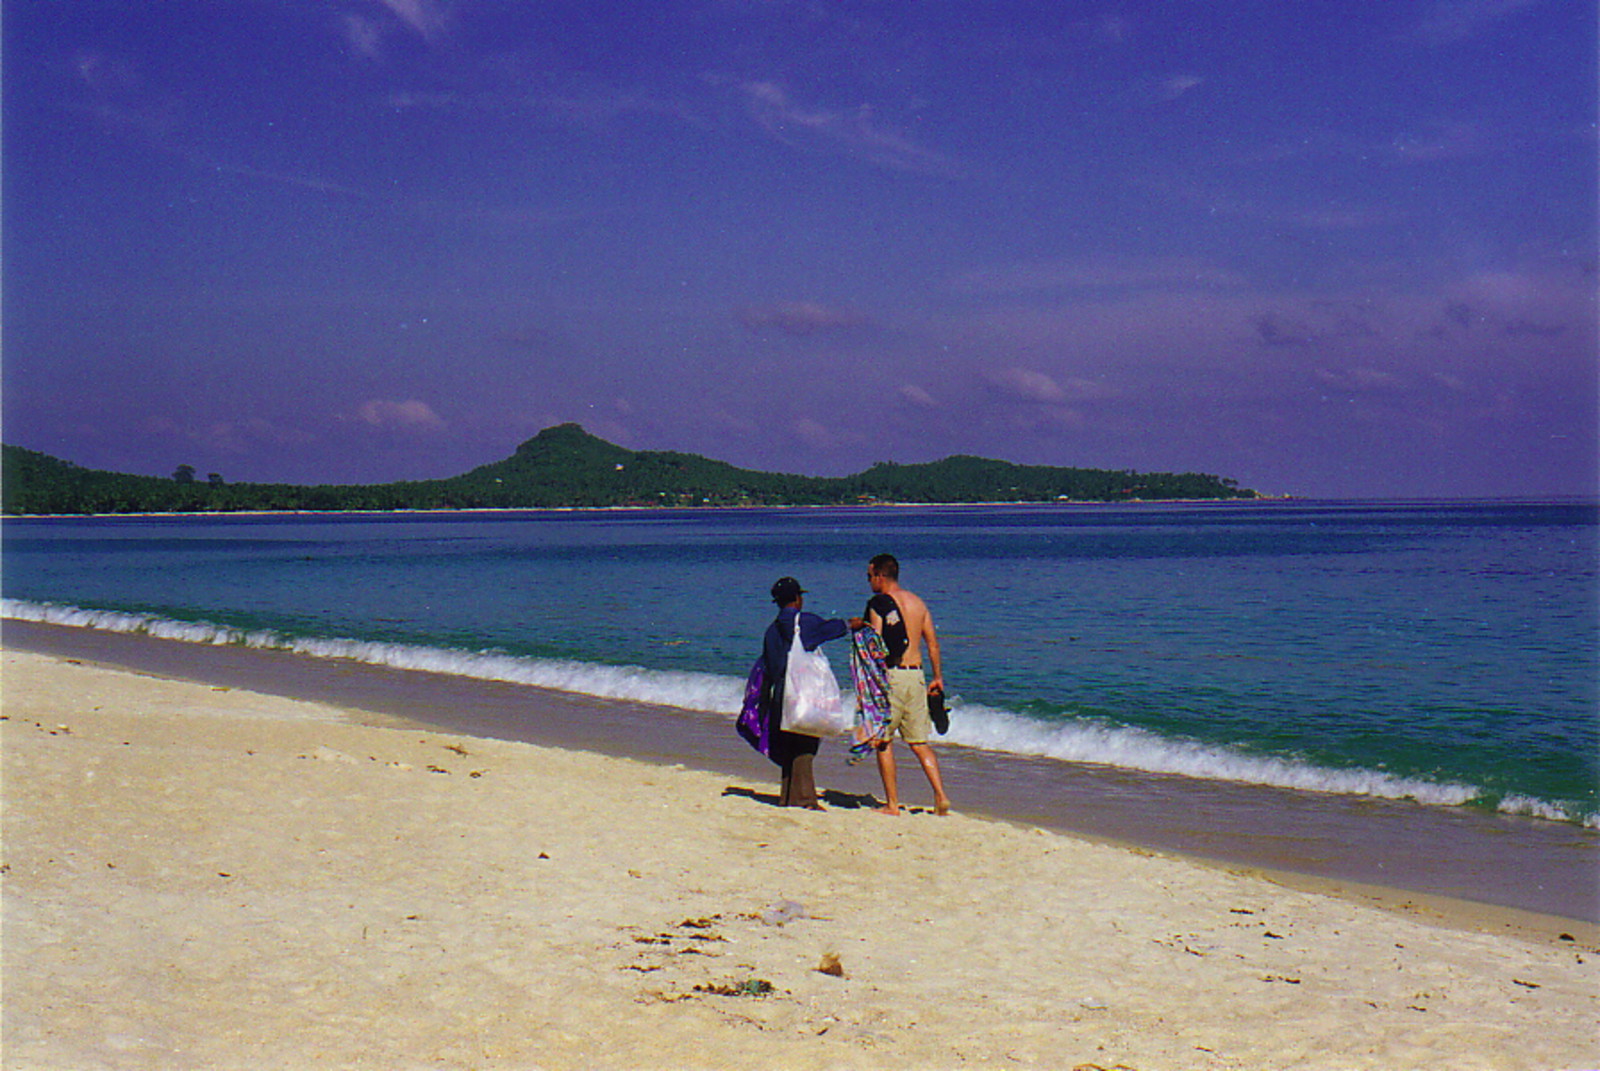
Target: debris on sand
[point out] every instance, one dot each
(752, 987)
(783, 912)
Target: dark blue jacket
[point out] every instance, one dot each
(814, 632)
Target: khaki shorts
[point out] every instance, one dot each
(908, 706)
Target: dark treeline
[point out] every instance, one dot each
(566, 466)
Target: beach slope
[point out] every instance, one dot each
(204, 877)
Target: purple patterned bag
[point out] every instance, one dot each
(752, 721)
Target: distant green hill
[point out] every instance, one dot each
(566, 466)
(978, 479)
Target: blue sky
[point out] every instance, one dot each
(1327, 249)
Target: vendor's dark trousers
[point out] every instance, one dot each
(799, 787)
(795, 754)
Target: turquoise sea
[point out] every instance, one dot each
(1439, 652)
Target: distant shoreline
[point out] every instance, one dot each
(1261, 500)
(1020, 504)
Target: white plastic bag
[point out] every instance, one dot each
(812, 702)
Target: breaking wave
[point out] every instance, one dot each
(693, 691)
(974, 725)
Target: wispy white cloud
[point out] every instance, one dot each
(590, 106)
(1455, 140)
(1031, 385)
(315, 183)
(1449, 22)
(427, 18)
(1422, 141)
(1358, 380)
(799, 318)
(814, 432)
(104, 73)
(1179, 84)
(1113, 28)
(1319, 322)
(1325, 216)
(152, 121)
(161, 126)
(364, 35)
(367, 34)
(1276, 329)
(598, 106)
(230, 436)
(1026, 384)
(410, 415)
(855, 132)
(1533, 329)
(1099, 273)
(836, 437)
(120, 101)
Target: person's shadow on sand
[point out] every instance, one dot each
(768, 798)
(846, 801)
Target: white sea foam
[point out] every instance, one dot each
(1138, 749)
(973, 725)
(1529, 807)
(693, 691)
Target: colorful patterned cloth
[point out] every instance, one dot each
(869, 669)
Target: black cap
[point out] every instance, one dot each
(786, 590)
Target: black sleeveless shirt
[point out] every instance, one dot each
(894, 626)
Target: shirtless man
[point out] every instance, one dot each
(905, 624)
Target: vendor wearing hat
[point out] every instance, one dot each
(791, 751)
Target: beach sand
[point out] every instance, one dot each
(199, 877)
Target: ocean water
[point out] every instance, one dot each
(1444, 653)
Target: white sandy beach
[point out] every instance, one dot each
(204, 878)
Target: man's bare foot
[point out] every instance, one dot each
(887, 810)
(941, 807)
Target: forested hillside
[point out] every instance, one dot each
(566, 466)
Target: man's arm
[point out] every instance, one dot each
(931, 637)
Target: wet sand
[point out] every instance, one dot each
(1373, 848)
(199, 875)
